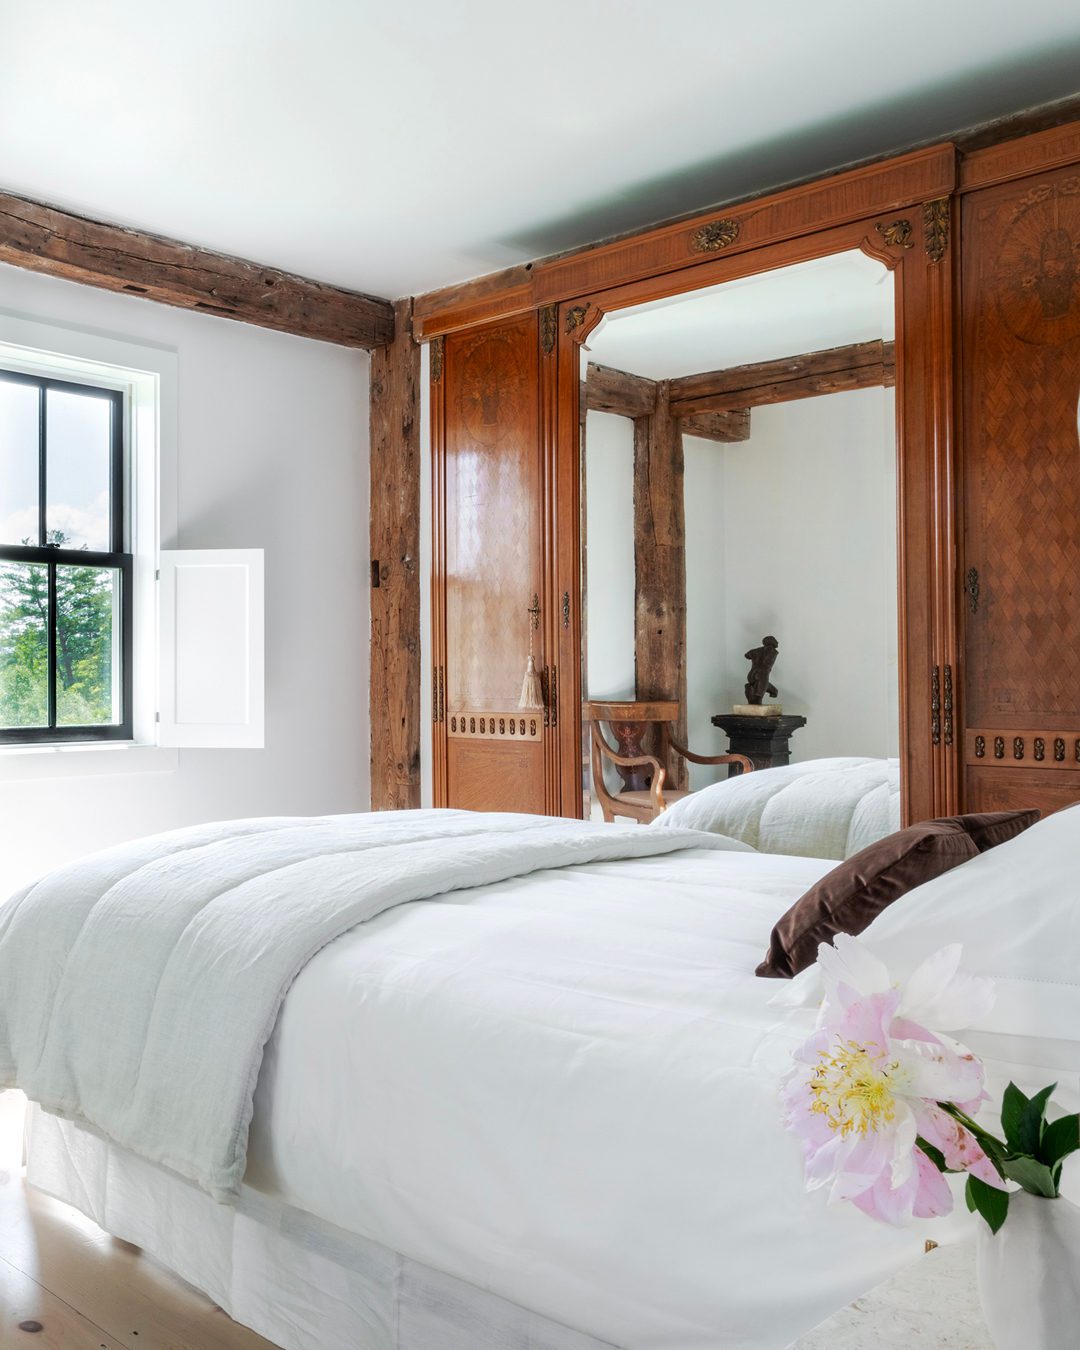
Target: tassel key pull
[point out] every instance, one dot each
(532, 691)
(532, 688)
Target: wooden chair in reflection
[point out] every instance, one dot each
(643, 795)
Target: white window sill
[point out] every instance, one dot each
(83, 761)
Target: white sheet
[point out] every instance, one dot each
(819, 808)
(563, 1089)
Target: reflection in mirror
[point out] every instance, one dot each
(739, 484)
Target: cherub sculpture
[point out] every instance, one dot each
(762, 659)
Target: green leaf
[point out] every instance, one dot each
(934, 1154)
(991, 1203)
(1033, 1175)
(1012, 1109)
(1030, 1130)
(1060, 1138)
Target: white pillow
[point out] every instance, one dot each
(821, 808)
(1015, 909)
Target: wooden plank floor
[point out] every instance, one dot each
(67, 1285)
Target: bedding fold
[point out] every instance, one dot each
(139, 987)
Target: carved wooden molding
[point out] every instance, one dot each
(1041, 748)
(474, 725)
(936, 216)
(835, 199)
(575, 317)
(716, 235)
(549, 328)
(896, 233)
(437, 345)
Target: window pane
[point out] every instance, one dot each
(87, 631)
(18, 463)
(77, 444)
(24, 645)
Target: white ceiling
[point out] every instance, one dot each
(828, 302)
(395, 147)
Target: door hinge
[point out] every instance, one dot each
(948, 706)
(438, 694)
(551, 696)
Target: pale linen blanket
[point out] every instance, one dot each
(139, 986)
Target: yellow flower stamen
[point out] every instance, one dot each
(851, 1089)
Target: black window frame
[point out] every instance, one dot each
(53, 556)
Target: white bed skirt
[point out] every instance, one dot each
(301, 1283)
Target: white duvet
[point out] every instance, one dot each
(563, 1089)
(139, 986)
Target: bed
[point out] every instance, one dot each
(535, 1113)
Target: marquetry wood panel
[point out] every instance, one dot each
(496, 775)
(492, 538)
(989, 789)
(1021, 467)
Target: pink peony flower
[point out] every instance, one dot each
(867, 1084)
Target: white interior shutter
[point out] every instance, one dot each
(211, 654)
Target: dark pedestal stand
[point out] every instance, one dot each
(765, 741)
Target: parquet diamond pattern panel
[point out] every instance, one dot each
(1021, 314)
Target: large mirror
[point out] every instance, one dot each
(739, 491)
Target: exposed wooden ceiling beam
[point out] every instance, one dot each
(44, 239)
(862, 365)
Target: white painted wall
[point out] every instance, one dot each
(792, 532)
(273, 454)
(810, 556)
(609, 556)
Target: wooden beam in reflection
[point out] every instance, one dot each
(660, 565)
(860, 365)
(617, 391)
(727, 427)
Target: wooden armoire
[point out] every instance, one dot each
(984, 247)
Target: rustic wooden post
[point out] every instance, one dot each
(394, 701)
(660, 563)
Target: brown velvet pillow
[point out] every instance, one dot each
(990, 828)
(846, 899)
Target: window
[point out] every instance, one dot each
(66, 581)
